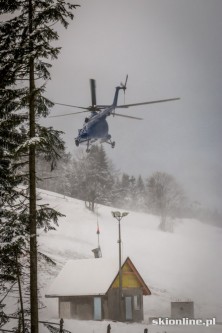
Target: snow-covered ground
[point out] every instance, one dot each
(183, 265)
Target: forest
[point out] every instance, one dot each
(93, 178)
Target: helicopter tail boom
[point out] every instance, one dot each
(120, 87)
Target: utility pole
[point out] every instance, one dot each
(118, 216)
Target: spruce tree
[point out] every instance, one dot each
(140, 194)
(125, 193)
(13, 230)
(92, 178)
(25, 46)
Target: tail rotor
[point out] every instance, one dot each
(123, 86)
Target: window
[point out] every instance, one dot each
(137, 302)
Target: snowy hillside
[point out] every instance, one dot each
(183, 265)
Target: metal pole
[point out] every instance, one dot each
(120, 273)
(118, 216)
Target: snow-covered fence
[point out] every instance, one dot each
(51, 327)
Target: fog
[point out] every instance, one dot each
(169, 48)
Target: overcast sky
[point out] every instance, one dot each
(169, 48)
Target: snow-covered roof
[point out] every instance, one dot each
(90, 277)
(84, 277)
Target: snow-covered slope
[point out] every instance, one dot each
(183, 265)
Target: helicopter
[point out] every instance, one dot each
(95, 126)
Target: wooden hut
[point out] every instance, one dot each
(89, 289)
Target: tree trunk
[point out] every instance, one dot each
(21, 314)
(162, 225)
(93, 206)
(32, 187)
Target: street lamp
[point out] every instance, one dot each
(118, 216)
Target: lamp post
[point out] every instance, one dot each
(118, 216)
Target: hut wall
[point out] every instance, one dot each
(80, 307)
(136, 307)
(113, 304)
(137, 303)
(182, 309)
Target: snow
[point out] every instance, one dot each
(101, 327)
(183, 265)
(33, 141)
(75, 276)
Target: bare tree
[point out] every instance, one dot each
(165, 196)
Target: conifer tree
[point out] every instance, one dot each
(92, 178)
(25, 46)
(124, 192)
(13, 230)
(140, 194)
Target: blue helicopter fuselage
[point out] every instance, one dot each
(95, 126)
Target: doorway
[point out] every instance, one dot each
(128, 308)
(97, 308)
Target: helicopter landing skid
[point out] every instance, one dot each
(112, 143)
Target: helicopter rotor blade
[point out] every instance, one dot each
(68, 114)
(93, 91)
(123, 115)
(151, 102)
(126, 80)
(72, 106)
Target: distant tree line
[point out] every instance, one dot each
(93, 178)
